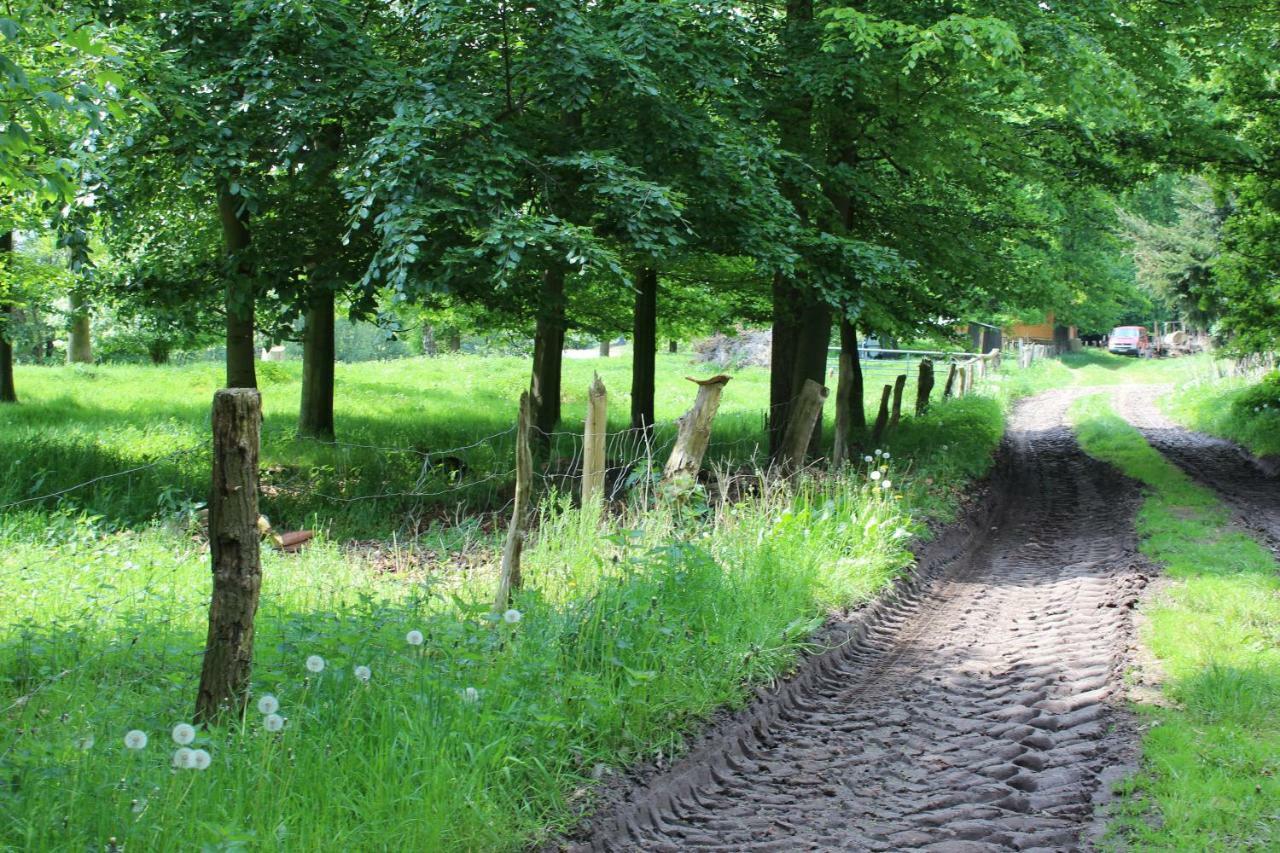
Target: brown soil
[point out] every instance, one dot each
(1248, 485)
(977, 706)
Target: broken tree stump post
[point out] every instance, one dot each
(511, 579)
(695, 429)
(882, 419)
(593, 439)
(806, 409)
(234, 546)
(924, 387)
(973, 366)
(995, 358)
(951, 382)
(898, 385)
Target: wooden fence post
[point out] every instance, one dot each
(924, 387)
(949, 390)
(882, 419)
(898, 385)
(973, 367)
(593, 442)
(234, 545)
(996, 355)
(511, 578)
(805, 411)
(695, 429)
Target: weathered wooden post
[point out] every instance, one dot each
(510, 579)
(593, 439)
(898, 385)
(973, 367)
(995, 358)
(950, 388)
(694, 432)
(882, 419)
(234, 545)
(924, 387)
(805, 412)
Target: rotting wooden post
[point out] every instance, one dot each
(805, 411)
(510, 579)
(593, 443)
(695, 429)
(973, 367)
(949, 391)
(898, 385)
(924, 387)
(995, 355)
(882, 419)
(234, 544)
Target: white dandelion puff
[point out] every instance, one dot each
(273, 723)
(363, 674)
(879, 452)
(184, 758)
(868, 459)
(315, 663)
(414, 638)
(886, 485)
(200, 759)
(183, 734)
(876, 475)
(886, 455)
(512, 616)
(470, 695)
(86, 742)
(268, 704)
(136, 739)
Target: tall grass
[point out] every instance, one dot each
(1211, 754)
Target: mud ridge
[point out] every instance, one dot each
(975, 706)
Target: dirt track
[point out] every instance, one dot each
(1237, 477)
(977, 707)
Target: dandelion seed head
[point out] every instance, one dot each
(868, 459)
(136, 739)
(470, 695)
(512, 616)
(315, 663)
(183, 734)
(86, 742)
(886, 485)
(184, 758)
(363, 674)
(201, 759)
(886, 454)
(876, 475)
(273, 723)
(414, 638)
(268, 704)
(879, 452)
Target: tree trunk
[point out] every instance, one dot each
(315, 415)
(548, 354)
(453, 343)
(673, 347)
(813, 343)
(8, 393)
(79, 345)
(234, 545)
(899, 385)
(782, 358)
(882, 419)
(694, 435)
(806, 416)
(924, 387)
(604, 348)
(644, 342)
(241, 352)
(429, 341)
(158, 350)
(851, 414)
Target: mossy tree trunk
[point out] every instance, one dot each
(240, 297)
(644, 348)
(315, 415)
(548, 355)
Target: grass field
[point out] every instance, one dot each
(490, 734)
(1210, 777)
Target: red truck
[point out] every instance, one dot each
(1129, 340)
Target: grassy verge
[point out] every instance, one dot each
(1247, 413)
(1211, 755)
(489, 734)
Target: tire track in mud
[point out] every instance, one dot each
(1226, 468)
(976, 707)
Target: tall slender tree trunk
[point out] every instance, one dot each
(644, 349)
(782, 358)
(813, 344)
(429, 341)
(241, 351)
(673, 347)
(315, 415)
(453, 343)
(79, 345)
(548, 354)
(851, 414)
(8, 393)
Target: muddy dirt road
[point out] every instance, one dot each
(1239, 480)
(979, 707)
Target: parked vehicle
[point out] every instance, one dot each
(1130, 340)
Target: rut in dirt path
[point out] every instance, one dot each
(1228, 469)
(978, 710)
